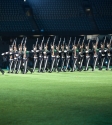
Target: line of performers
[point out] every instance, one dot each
(60, 57)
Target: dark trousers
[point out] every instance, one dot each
(95, 62)
(67, 63)
(25, 68)
(40, 63)
(45, 63)
(25, 61)
(10, 65)
(19, 65)
(74, 63)
(52, 63)
(56, 63)
(14, 64)
(35, 63)
(109, 60)
(101, 62)
(81, 62)
(87, 62)
(1, 70)
(62, 63)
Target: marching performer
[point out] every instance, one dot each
(87, 56)
(15, 57)
(109, 53)
(25, 59)
(57, 56)
(102, 54)
(35, 51)
(74, 56)
(52, 55)
(62, 55)
(95, 54)
(67, 53)
(45, 55)
(41, 56)
(20, 54)
(10, 53)
(81, 54)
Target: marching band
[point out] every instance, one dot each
(60, 57)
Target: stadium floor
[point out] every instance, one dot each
(78, 98)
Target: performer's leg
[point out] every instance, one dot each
(67, 63)
(24, 63)
(98, 62)
(19, 65)
(81, 62)
(78, 63)
(35, 63)
(52, 65)
(22, 68)
(87, 63)
(73, 61)
(2, 71)
(25, 66)
(74, 64)
(62, 65)
(108, 65)
(102, 61)
(40, 64)
(15, 65)
(94, 63)
(28, 68)
(58, 61)
(56, 64)
(10, 65)
(45, 63)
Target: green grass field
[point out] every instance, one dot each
(79, 98)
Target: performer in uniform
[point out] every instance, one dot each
(95, 54)
(109, 54)
(81, 55)
(67, 54)
(25, 59)
(45, 55)
(62, 55)
(75, 53)
(87, 59)
(52, 55)
(10, 54)
(35, 51)
(102, 54)
(15, 57)
(41, 56)
(57, 56)
(20, 54)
